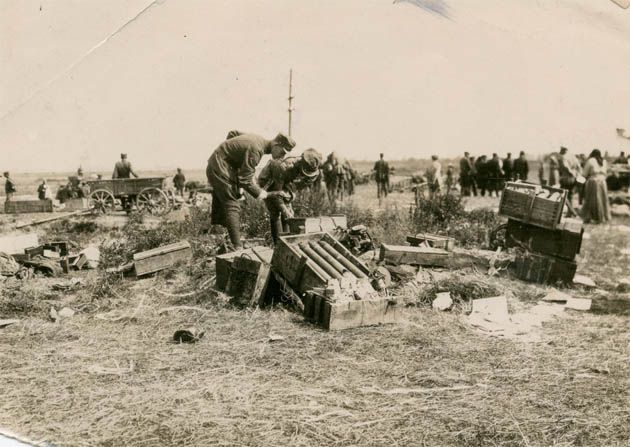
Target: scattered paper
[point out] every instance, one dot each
(556, 296)
(582, 280)
(443, 301)
(578, 303)
(5, 323)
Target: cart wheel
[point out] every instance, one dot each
(153, 201)
(498, 237)
(101, 201)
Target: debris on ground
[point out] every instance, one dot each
(585, 281)
(432, 240)
(15, 244)
(556, 296)
(62, 314)
(8, 265)
(8, 322)
(68, 284)
(578, 303)
(442, 301)
(624, 284)
(303, 225)
(189, 335)
(358, 240)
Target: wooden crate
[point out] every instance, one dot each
(405, 254)
(247, 282)
(432, 240)
(542, 269)
(28, 206)
(349, 314)
(302, 225)
(563, 242)
(160, 258)
(224, 262)
(520, 202)
(301, 272)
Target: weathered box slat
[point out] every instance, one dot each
(224, 262)
(28, 206)
(302, 225)
(432, 240)
(544, 269)
(520, 202)
(160, 258)
(564, 242)
(336, 316)
(404, 254)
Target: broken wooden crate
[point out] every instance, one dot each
(28, 206)
(564, 242)
(432, 240)
(405, 254)
(244, 275)
(349, 314)
(309, 261)
(544, 269)
(533, 204)
(161, 258)
(224, 262)
(303, 225)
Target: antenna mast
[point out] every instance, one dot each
(290, 98)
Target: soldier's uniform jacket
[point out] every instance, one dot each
(382, 171)
(233, 165)
(122, 169)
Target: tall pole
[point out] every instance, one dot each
(290, 98)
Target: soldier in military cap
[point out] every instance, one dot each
(285, 176)
(231, 167)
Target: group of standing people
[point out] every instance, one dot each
(339, 177)
(478, 176)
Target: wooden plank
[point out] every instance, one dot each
(181, 245)
(404, 254)
(351, 314)
(53, 218)
(13, 244)
(433, 240)
(161, 258)
(28, 206)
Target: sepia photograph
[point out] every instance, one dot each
(314, 223)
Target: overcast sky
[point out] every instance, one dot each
(369, 76)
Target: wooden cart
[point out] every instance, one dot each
(146, 194)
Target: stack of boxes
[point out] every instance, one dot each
(549, 244)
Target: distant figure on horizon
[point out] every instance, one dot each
(508, 168)
(465, 178)
(434, 176)
(596, 207)
(494, 175)
(473, 176)
(450, 178)
(622, 159)
(123, 168)
(482, 174)
(179, 180)
(42, 190)
(9, 187)
(381, 169)
(521, 167)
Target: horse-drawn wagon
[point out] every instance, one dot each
(146, 194)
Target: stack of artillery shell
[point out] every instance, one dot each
(328, 261)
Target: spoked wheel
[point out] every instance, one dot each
(153, 201)
(101, 201)
(498, 237)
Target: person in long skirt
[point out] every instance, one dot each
(596, 207)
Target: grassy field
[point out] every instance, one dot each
(110, 375)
